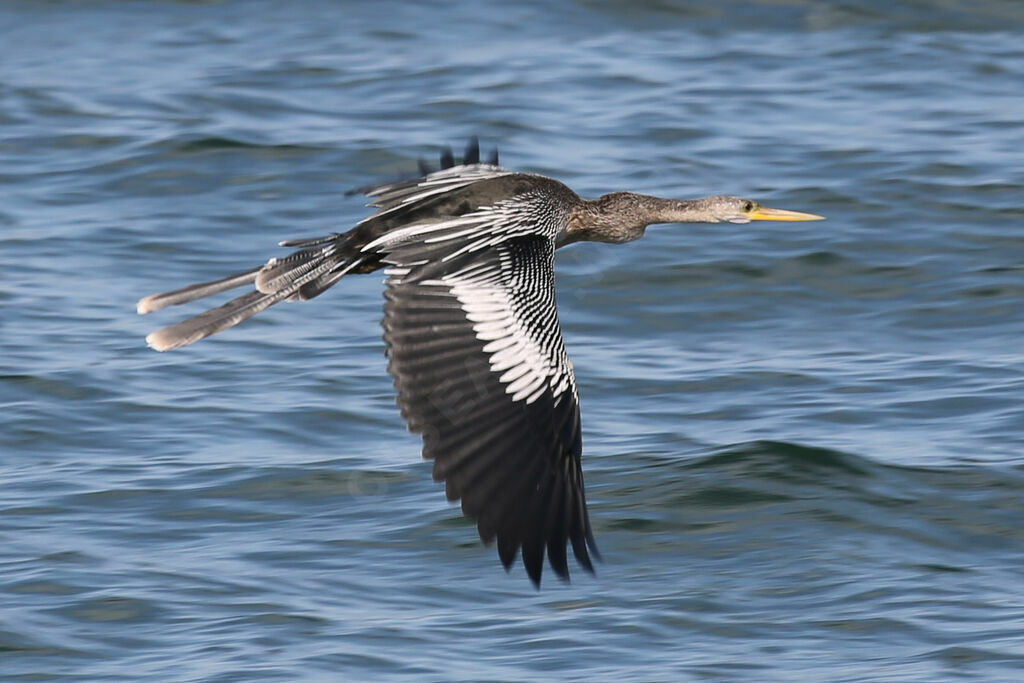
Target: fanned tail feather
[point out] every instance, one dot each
(301, 275)
(212, 321)
(325, 281)
(279, 274)
(197, 291)
(319, 262)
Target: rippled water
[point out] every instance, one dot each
(804, 443)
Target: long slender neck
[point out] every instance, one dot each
(623, 216)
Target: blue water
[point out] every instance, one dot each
(804, 443)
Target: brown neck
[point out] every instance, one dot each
(623, 216)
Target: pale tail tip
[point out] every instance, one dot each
(159, 342)
(147, 305)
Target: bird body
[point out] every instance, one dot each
(472, 332)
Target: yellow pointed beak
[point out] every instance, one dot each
(763, 213)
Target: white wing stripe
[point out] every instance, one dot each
(521, 360)
(507, 300)
(408, 233)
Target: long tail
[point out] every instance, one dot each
(299, 276)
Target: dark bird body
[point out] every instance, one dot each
(472, 331)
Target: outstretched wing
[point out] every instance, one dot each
(477, 356)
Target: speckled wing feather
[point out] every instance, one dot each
(477, 356)
(403, 198)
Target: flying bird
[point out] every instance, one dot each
(472, 332)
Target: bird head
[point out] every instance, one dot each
(726, 209)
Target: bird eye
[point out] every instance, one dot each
(748, 206)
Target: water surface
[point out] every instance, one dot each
(803, 442)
